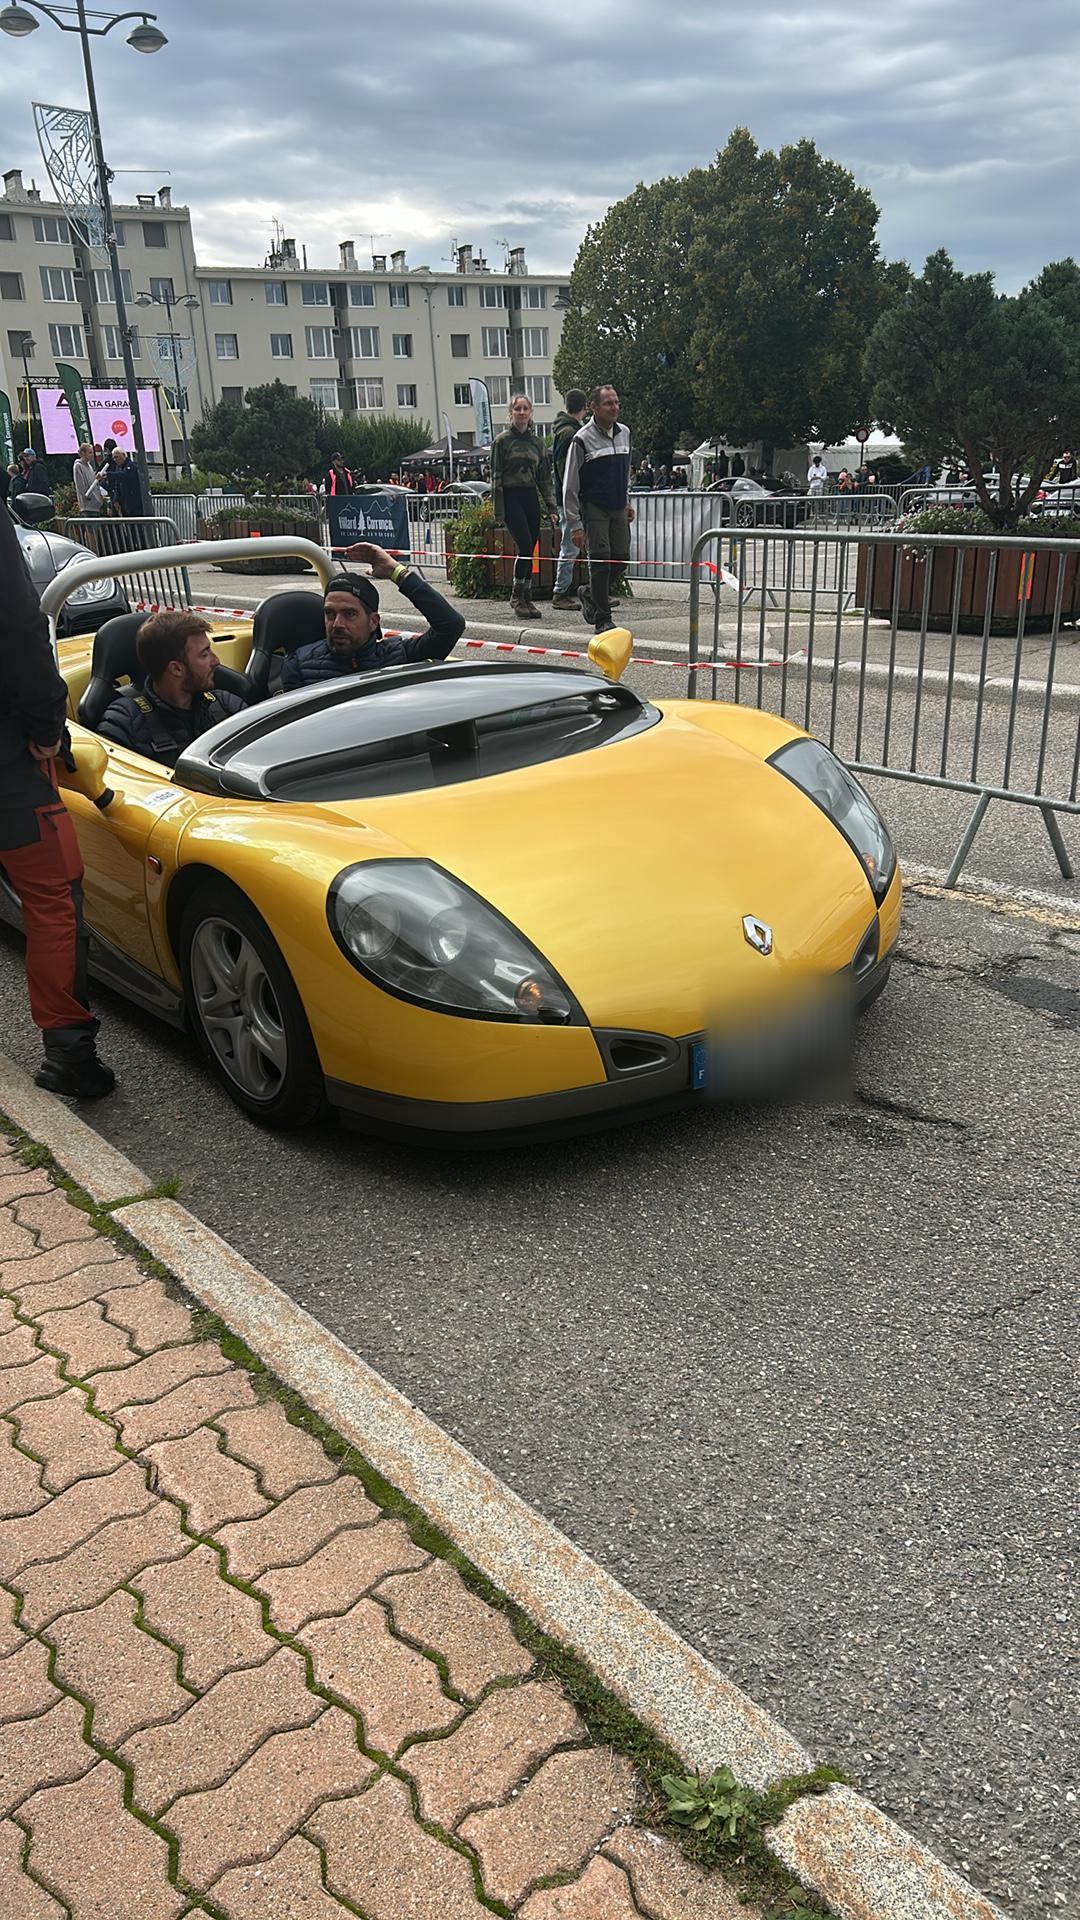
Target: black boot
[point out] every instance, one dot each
(71, 1064)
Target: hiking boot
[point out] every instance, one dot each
(528, 610)
(604, 625)
(71, 1065)
(567, 601)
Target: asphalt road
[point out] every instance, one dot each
(802, 1379)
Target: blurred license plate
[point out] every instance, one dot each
(699, 1064)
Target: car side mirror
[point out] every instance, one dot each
(33, 508)
(83, 767)
(611, 652)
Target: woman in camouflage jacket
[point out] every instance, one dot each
(521, 489)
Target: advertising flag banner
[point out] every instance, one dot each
(449, 442)
(481, 400)
(110, 419)
(380, 517)
(7, 433)
(75, 394)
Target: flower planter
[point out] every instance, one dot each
(1028, 577)
(499, 572)
(239, 527)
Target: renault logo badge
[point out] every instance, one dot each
(757, 933)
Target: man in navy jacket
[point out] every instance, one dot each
(354, 640)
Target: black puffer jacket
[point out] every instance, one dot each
(33, 697)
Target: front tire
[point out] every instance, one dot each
(245, 1010)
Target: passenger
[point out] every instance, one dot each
(354, 640)
(177, 700)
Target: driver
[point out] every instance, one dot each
(178, 699)
(354, 640)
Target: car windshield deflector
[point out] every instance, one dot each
(410, 728)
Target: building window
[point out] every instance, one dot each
(277, 293)
(11, 286)
(459, 346)
(463, 395)
(361, 293)
(54, 232)
(493, 296)
(162, 290)
(538, 388)
(233, 396)
(533, 297)
(496, 343)
(66, 343)
(534, 343)
(7, 227)
(456, 296)
(399, 295)
(155, 233)
(103, 284)
(226, 346)
(320, 343)
(498, 386)
(368, 396)
(325, 394)
(17, 341)
(112, 343)
(281, 346)
(58, 283)
(467, 438)
(220, 293)
(406, 396)
(314, 293)
(119, 233)
(403, 346)
(364, 343)
(562, 298)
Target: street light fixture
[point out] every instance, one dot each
(166, 300)
(18, 21)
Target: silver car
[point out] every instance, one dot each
(46, 554)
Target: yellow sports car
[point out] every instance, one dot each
(471, 899)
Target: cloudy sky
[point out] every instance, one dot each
(522, 120)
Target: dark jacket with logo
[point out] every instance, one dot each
(597, 471)
(138, 718)
(33, 697)
(445, 628)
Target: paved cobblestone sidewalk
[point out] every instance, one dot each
(229, 1684)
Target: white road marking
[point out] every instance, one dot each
(1000, 896)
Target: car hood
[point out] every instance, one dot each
(631, 868)
(46, 553)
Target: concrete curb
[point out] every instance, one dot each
(838, 1843)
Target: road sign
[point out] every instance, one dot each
(862, 434)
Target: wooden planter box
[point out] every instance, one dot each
(240, 528)
(1032, 577)
(500, 573)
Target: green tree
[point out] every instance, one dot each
(955, 365)
(374, 444)
(787, 283)
(629, 314)
(266, 441)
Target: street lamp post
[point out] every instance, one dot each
(26, 347)
(17, 21)
(166, 300)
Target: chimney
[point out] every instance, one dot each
(164, 196)
(397, 260)
(480, 265)
(288, 253)
(378, 263)
(13, 185)
(516, 262)
(33, 193)
(145, 199)
(464, 259)
(347, 249)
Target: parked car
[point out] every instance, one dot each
(754, 505)
(46, 554)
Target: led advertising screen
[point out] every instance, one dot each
(110, 418)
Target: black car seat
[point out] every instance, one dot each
(115, 658)
(283, 624)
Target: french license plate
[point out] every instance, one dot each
(699, 1064)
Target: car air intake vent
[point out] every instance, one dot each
(867, 951)
(628, 1054)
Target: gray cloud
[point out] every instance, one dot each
(422, 125)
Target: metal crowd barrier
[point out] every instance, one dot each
(947, 676)
(131, 535)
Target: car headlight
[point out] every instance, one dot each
(90, 592)
(415, 930)
(825, 780)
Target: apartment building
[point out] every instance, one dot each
(384, 339)
(388, 338)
